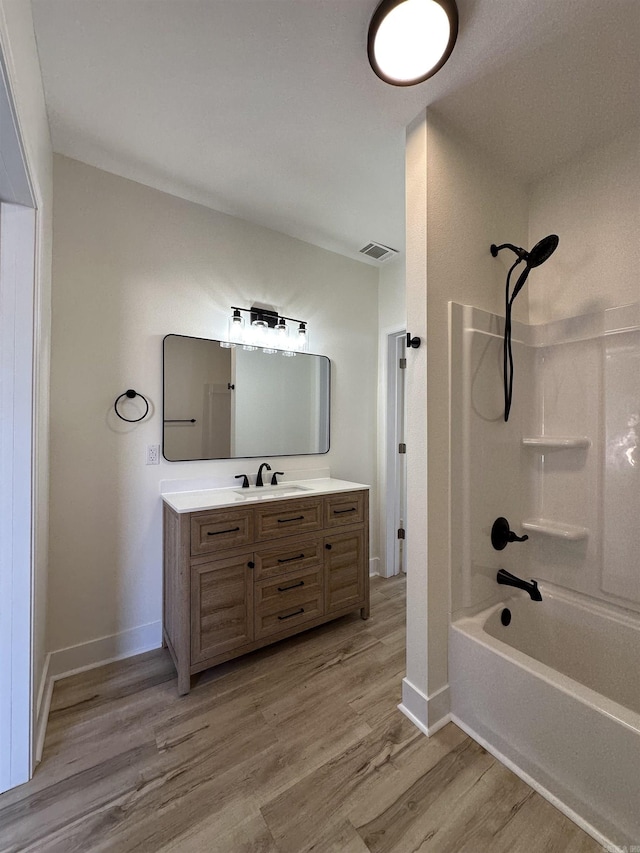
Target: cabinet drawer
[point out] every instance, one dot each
(288, 517)
(215, 531)
(288, 601)
(345, 508)
(288, 556)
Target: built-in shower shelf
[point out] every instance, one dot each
(548, 442)
(569, 532)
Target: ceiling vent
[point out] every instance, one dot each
(378, 252)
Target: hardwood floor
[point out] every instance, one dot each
(297, 747)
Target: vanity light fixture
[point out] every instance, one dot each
(410, 40)
(267, 330)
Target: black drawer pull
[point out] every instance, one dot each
(284, 520)
(342, 511)
(251, 564)
(293, 586)
(328, 546)
(218, 532)
(290, 559)
(297, 613)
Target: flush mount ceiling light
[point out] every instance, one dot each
(409, 40)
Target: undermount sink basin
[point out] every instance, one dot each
(261, 493)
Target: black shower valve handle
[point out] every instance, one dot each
(501, 534)
(514, 538)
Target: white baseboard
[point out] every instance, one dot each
(84, 656)
(428, 713)
(533, 783)
(42, 709)
(374, 567)
(75, 659)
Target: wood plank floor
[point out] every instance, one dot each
(297, 747)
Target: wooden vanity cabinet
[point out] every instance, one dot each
(239, 579)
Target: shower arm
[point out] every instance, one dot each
(521, 253)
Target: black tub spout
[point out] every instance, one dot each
(528, 586)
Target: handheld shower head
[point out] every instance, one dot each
(542, 250)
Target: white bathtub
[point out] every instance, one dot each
(556, 696)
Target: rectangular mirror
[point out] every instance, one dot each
(226, 402)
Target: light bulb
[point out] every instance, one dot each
(303, 337)
(259, 329)
(236, 328)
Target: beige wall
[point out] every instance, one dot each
(21, 57)
(132, 264)
(458, 203)
(593, 204)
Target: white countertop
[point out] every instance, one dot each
(195, 501)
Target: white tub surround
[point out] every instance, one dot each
(565, 469)
(552, 697)
(195, 500)
(555, 694)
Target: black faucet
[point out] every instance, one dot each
(259, 477)
(528, 586)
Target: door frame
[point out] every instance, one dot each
(18, 388)
(395, 481)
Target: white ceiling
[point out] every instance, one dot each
(268, 110)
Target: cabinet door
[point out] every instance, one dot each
(344, 563)
(221, 606)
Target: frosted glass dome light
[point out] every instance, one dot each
(409, 40)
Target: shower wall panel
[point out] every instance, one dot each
(574, 379)
(488, 467)
(621, 541)
(568, 386)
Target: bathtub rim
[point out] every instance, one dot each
(473, 626)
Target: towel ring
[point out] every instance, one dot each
(131, 394)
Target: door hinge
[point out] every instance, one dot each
(401, 533)
(403, 364)
(402, 448)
